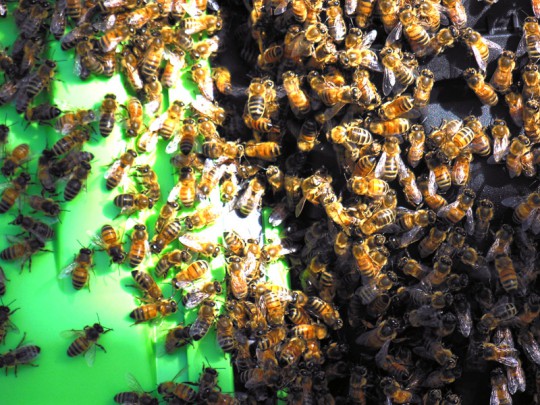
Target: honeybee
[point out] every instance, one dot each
(171, 391)
(137, 395)
(500, 312)
(225, 333)
(139, 245)
(19, 356)
(114, 36)
(110, 242)
(395, 71)
(272, 338)
(407, 180)
(119, 168)
(199, 245)
(222, 79)
(369, 96)
(525, 211)
(251, 197)
(74, 140)
(484, 91)
(167, 124)
(439, 172)
(530, 39)
(267, 151)
(46, 206)
(514, 100)
(501, 139)
(431, 242)
(132, 202)
(203, 79)
(129, 65)
(372, 188)
(390, 162)
(499, 388)
(324, 311)
(12, 191)
(3, 282)
(18, 156)
(170, 232)
(484, 214)
(79, 269)
(208, 109)
(66, 122)
(460, 208)
(175, 62)
(416, 34)
(201, 218)
(507, 273)
(167, 212)
(134, 123)
(176, 338)
(210, 177)
(200, 22)
(479, 46)
(149, 312)
(145, 282)
(185, 189)
(194, 271)
(87, 341)
(502, 77)
(376, 337)
(298, 99)
(149, 181)
(153, 94)
(389, 10)
(171, 259)
(205, 319)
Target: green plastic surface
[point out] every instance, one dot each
(49, 305)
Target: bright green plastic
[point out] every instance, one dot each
(49, 305)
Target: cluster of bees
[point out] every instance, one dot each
(403, 262)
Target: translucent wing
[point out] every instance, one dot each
(444, 210)
(133, 384)
(350, 6)
(432, 183)
(529, 220)
(172, 146)
(494, 46)
(512, 202)
(535, 225)
(113, 168)
(157, 123)
(465, 322)
(206, 87)
(395, 34)
(412, 236)
(516, 379)
(299, 207)
(494, 398)
(379, 169)
(369, 38)
(194, 298)
(331, 112)
(175, 192)
(90, 355)
(500, 148)
(469, 222)
(482, 64)
(66, 272)
(191, 242)
(192, 10)
(72, 333)
(370, 61)
(149, 139)
(389, 81)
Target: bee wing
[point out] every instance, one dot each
(331, 112)
(192, 10)
(111, 169)
(529, 221)
(379, 169)
(532, 350)
(370, 61)
(172, 146)
(469, 222)
(96, 240)
(512, 202)
(412, 236)
(108, 22)
(194, 299)
(380, 357)
(175, 192)
(516, 379)
(465, 322)
(500, 148)
(494, 397)
(444, 210)
(299, 207)
(72, 333)
(133, 383)
(494, 46)
(191, 242)
(90, 355)
(432, 183)
(369, 38)
(482, 64)
(535, 226)
(5, 185)
(395, 34)
(158, 122)
(389, 81)
(66, 271)
(350, 6)
(150, 139)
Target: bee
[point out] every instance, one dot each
(152, 58)
(203, 79)
(167, 212)
(114, 36)
(119, 168)
(79, 269)
(484, 214)
(390, 162)
(423, 86)
(234, 242)
(75, 183)
(171, 230)
(391, 111)
(389, 10)
(501, 80)
(153, 94)
(201, 218)
(171, 391)
(87, 341)
(499, 313)
(501, 353)
(376, 337)
(128, 63)
(42, 113)
(337, 29)
(479, 46)
(132, 202)
(5, 323)
(185, 190)
(431, 242)
(298, 99)
(272, 338)
(225, 334)
(74, 140)
(514, 100)
(443, 39)
(507, 273)
(372, 188)
(395, 72)
(175, 62)
(499, 388)
(13, 160)
(194, 271)
(176, 338)
(171, 259)
(501, 139)
(66, 122)
(210, 177)
(208, 109)
(136, 396)
(416, 34)
(205, 319)
(529, 41)
(47, 206)
(19, 356)
(456, 12)
(462, 206)
(107, 118)
(151, 311)
(110, 242)
(12, 191)
(439, 172)
(251, 197)
(35, 228)
(139, 245)
(199, 245)
(484, 91)
(324, 311)
(369, 96)
(229, 188)
(134, 122)
(525, 210)
(145, 282)
(222, 79)
(407, 180)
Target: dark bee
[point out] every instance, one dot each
(87, 341)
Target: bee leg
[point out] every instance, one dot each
(101, 347)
